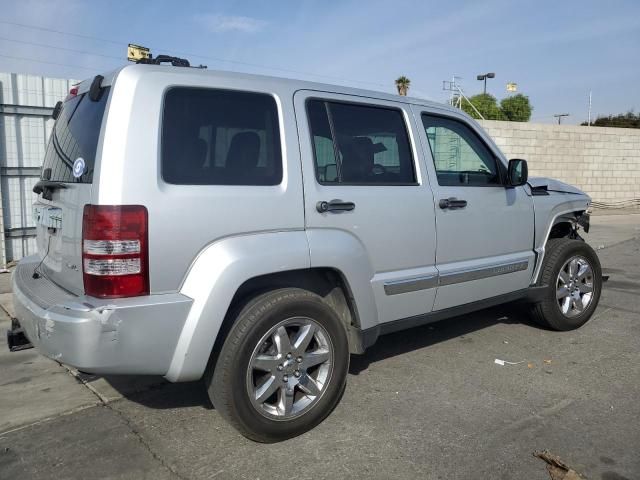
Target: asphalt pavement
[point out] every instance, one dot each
(428, 403)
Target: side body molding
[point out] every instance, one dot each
(215, 276)
(340, 250)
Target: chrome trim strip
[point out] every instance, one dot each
(406, 285)
(484, 272)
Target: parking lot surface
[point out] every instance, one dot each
(427, 403)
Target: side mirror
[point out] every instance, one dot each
(518, 172)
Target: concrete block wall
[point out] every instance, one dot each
(602, 161)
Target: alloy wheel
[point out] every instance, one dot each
(574, 286)
(290, 368)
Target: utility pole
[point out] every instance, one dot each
(589, 121)
(560, 115)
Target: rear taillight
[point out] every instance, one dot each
(115, 255)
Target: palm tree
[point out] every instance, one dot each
(403, 84)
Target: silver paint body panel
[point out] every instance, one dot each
(400, 255)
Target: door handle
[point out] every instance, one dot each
(334, 206)
(452, 203)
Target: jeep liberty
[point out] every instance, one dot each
(253, 232)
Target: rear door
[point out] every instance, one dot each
(69, 161)
(359, 154)
(485, 229)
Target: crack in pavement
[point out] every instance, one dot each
(47, 419)
(104, 402)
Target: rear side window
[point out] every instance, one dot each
(359, 144)
(220, 137)
(75, 135)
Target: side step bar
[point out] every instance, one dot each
(16, 339)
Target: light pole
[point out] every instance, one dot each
(484, 77)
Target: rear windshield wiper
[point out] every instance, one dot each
(45, 187)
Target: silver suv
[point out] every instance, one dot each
(254, 232)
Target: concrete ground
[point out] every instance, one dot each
(425, 403)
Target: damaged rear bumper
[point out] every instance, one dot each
(135, 335)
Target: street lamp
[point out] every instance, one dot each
(484, 77)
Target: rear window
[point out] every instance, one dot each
(220, 137)
(75, 136)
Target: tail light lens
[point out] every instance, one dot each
(73, 92)
(115, 254)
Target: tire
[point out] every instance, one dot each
(549, 312)
(256, 342)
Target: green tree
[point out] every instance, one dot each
(622, 120)
(486, 104)
(403, 84)
(516, 108)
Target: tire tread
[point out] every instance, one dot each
(218, 379)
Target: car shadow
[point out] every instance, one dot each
(157, 393)
(406, 341)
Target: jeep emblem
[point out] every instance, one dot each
(78, 167)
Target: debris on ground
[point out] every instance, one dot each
(504, 362)
(558, 470)
(548, 362)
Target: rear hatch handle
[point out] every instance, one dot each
(46, 187)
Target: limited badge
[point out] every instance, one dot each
(78, 167)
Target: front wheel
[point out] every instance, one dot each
(283, 366)
(573, 276)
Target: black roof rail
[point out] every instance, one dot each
(160, 59)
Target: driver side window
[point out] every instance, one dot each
(460, 157)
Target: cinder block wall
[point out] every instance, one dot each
(602, 161)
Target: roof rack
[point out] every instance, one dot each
(174, 61)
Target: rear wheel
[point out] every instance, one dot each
(573, 276)
(282, 368)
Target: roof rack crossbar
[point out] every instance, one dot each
(175, 61)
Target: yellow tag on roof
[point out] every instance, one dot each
(137, 52)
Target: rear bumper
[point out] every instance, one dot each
(135, 335)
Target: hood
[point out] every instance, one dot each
(553, 185)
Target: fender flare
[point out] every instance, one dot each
(553, 217)
(341, 250)
(212, 281)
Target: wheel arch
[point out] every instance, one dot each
(560, 222)
(229, 272)
(327, 282)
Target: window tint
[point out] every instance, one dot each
(459, 155)
(75, 135)
(220, 137)
(360, 144)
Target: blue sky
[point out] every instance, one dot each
(555, 50)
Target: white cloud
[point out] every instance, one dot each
(218, 23)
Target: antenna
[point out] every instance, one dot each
(457, 95)
(560, 115)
